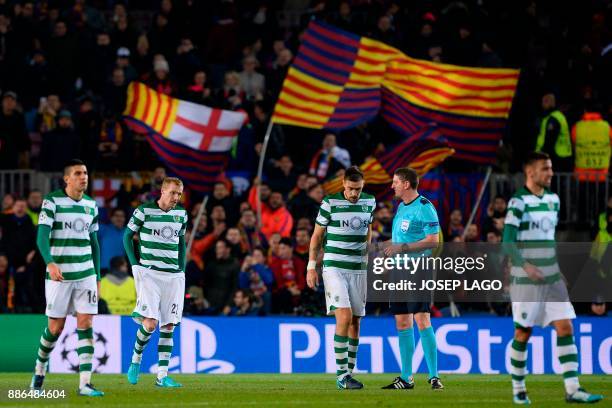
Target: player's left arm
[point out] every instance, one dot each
(95, 253)
(182, 249)
(95, 245)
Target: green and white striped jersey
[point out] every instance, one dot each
(71, 223)
(536, 218)
(347, 232)
(159, 232)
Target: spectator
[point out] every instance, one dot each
(35, 199)
(455, 224)
(142, 59)
(282, 175)
(221, 277)
(232, 95)
(59, 145)
(289, 276)
(7, 203)
(244, 303)
(115, 94)
(383, 223)
(274, 215)
(258, 277)
(274, 250)
(598, 308)
(494, 236)
(19, 242)
(62, 49)
(554, 135)
(253, 83)
(472, 234)
(204, 241)
(302, 244)
(123, 61)
(305, 223)
(218, 219)
(187, 61)
(250, 237)
(48, 108)
(198, 91)
(153, 188)
(232, 236)
(195, 302)
(160, 80)
(88, 124)
(279, 70)
(329, 159)
(99, 63)
(117, 287)
(5, 274)
(222, 196)
(14, 140)
(345, 18)
(307, 207)
(260, 120)
(162, 36)
(38, 83)
(385, 32)
(114, 147)
(496, 213)
(122, 34)
(18, 235)
(110, 237)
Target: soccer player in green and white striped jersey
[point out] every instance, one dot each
(531, 221)
(344, 220)
(159, 275)
(67, 240)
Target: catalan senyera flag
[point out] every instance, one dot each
(423, 151)
(339, 80)
(192, 140)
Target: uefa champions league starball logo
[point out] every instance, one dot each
(70, 356)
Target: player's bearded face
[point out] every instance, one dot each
(352, 190)
(542, 173)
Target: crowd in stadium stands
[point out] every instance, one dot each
(64, 71)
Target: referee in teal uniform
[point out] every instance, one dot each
(416, 221)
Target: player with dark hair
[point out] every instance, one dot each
(415, 226)
(533, 213)
(68, 242)
(344, 221)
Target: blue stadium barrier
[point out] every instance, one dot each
(304, 345)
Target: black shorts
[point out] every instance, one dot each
(398, 308)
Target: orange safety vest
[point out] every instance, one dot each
(592, 138)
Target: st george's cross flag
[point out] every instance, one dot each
(193, 140)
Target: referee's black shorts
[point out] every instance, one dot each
(399, 308)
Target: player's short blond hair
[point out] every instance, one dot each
(172, 180)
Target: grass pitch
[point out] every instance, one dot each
(298, 390)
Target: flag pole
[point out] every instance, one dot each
(477, 204)
(196, 223)
(262, 156)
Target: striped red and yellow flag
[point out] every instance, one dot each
(339, 80)
(423, 151)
